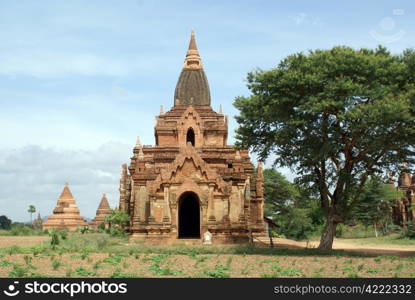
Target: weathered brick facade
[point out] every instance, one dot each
(404, 209)
(191, 181)
(66, 213)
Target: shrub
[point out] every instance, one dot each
(54, 238)
(81, 271)
(408, 231)
(56, 264)
(218, 272)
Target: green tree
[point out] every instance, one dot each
(5, 223)
(31, 211)
(279, 193)
(290, 206)
(335, 117)
(117, 221)
(374, 204)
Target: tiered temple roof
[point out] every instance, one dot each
(66, 213)
(103, 210)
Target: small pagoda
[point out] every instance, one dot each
(103, 210)
(37, 223)
(66, 213)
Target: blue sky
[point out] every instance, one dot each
(79, 80)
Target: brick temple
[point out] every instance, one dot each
(404, 209)
(66, 213)
(192, 184)
(103, 211)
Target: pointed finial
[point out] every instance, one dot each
(161, 110)
(66, 184)
(192, 43)
(103, 194)
(192, 60)
(220, 109)
(238, 154)
(138, 143)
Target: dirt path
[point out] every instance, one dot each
(351, 245)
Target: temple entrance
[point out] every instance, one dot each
(190, 136)
(189, 216)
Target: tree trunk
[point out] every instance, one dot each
(271, 242)
(326, 240)
(376, 230)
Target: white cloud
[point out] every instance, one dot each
(35, 175)
(306, 19)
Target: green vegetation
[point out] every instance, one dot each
(218, 272)
(116, 222)
(5, 223)
(374, 205)
(278, 271)
(160, 267)
(81, 271)
(31, 211)
(292, 208)
(80, 256)
(335, 117)
(21, 229)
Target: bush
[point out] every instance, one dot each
(54, 238)
(116, 231)
(296, 224)
(5, 223)
(21, 229)
(408, 231)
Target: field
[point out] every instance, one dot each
(98, 255)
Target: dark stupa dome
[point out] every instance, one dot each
(192, 87)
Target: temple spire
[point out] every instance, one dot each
(192, 44)
(192, 60)
(192, 88)
(138, 143)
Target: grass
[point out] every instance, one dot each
(218, 272)
(82, 272)
(278, 271)
(98, 255)
(394, 239)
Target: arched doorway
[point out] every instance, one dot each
(190, 136)
(189, 216)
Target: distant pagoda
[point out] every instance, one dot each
(37, 223)
(103, 210)
(66, 213)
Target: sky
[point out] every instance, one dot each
(80, 80)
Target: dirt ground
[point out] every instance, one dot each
(209, 265)
(351, 245)
(23, 241)
(385, 261)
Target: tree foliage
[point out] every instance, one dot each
(375, 203)
(291, 207)
(116, 222)
(31, 211)
(5, 223)
(335, 117)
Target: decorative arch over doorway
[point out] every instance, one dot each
(189, 216)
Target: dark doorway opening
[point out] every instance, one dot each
(189, 216)
(190, 137)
